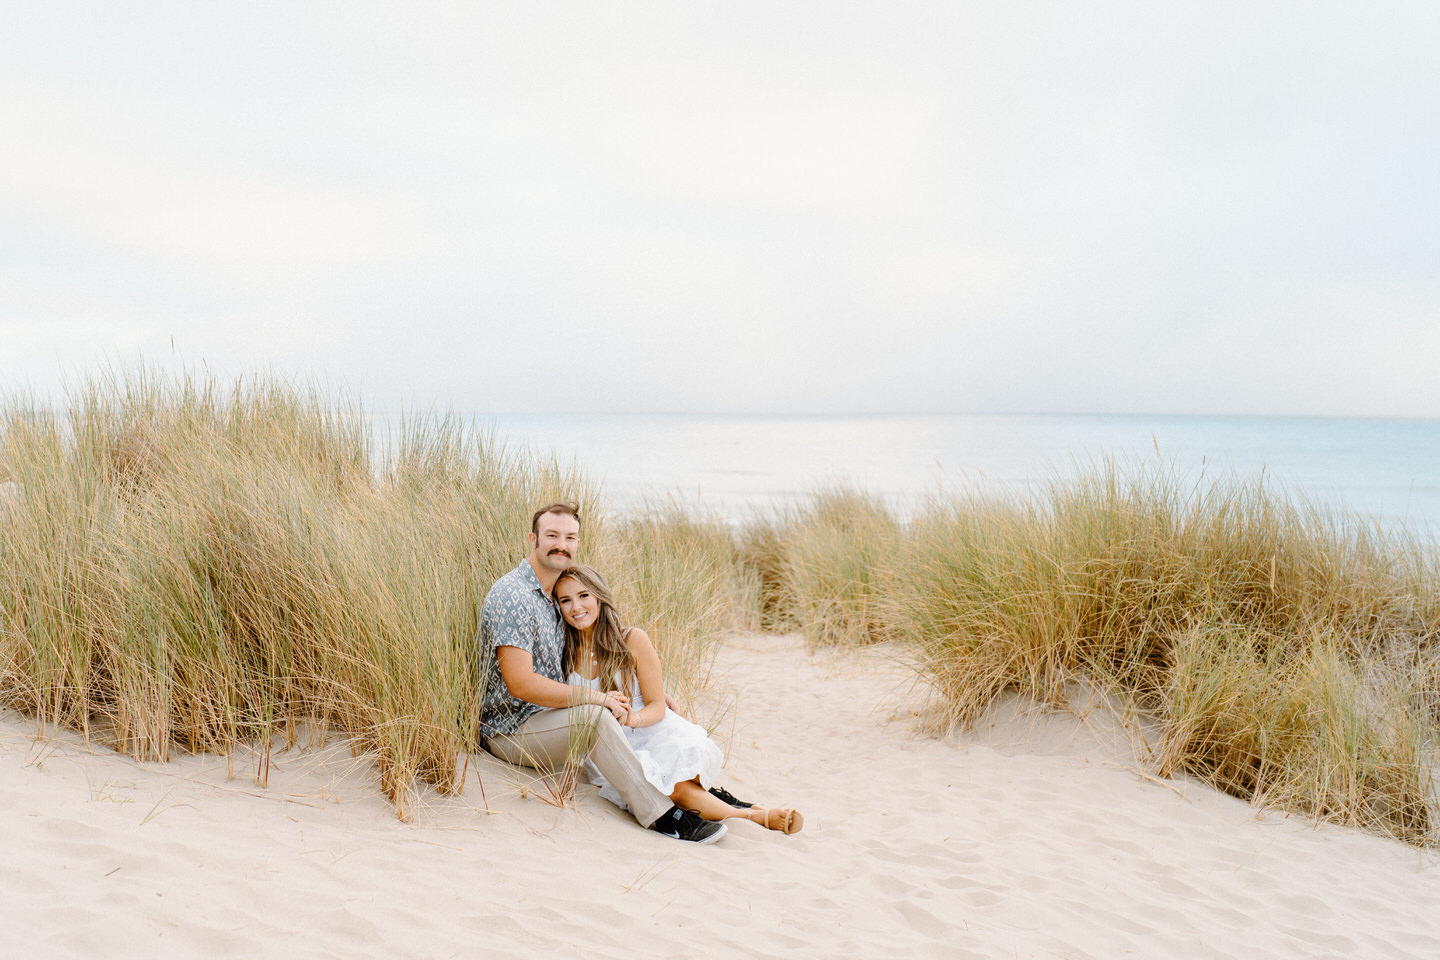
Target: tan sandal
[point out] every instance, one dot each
(785, 820)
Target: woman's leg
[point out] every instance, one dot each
(689, 795)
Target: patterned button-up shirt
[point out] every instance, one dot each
(517, 613)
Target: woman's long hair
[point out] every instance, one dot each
(608, 634)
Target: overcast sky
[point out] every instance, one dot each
(733, 207)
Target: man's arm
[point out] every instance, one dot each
(517, 667)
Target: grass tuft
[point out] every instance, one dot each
(189, 564)
(684, 573)
(839, 553)
(1288, 652)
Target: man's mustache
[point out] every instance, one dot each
(560, 550)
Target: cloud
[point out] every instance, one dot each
(1114, 206)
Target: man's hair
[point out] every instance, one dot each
(565, 508)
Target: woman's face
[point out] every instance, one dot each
(577, 604)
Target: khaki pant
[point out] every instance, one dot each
(545, 739)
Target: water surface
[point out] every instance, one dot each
(734, 465)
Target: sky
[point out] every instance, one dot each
(837, 207)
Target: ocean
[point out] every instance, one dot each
(733, 466)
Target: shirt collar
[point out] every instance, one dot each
(527, 573)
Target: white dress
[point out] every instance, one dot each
(671, 751)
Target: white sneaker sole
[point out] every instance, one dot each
(710, 839)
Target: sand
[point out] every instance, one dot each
(1029, 837)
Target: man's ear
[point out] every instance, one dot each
(532, 539)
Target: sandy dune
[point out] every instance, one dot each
(1027, 838)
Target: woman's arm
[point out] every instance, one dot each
(517, 667)
(652, 681)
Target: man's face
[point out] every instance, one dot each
(554, 546)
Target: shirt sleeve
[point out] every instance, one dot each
(505, 621)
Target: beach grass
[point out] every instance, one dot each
(838, 556)
(760, 546)
(1286, 651)
(205, 566)
(679, 575)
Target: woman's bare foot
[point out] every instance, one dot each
(776, 818)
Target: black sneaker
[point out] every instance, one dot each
(684, 825)
(727, 797)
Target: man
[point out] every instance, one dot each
(530, 715)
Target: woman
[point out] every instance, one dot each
(677, 755)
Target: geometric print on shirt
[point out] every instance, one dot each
(517, 613)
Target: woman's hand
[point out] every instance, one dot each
(619, 706)
(631, 717)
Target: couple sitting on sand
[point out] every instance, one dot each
(566, 672)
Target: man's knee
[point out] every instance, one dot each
(592, 721)
(589, 714)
